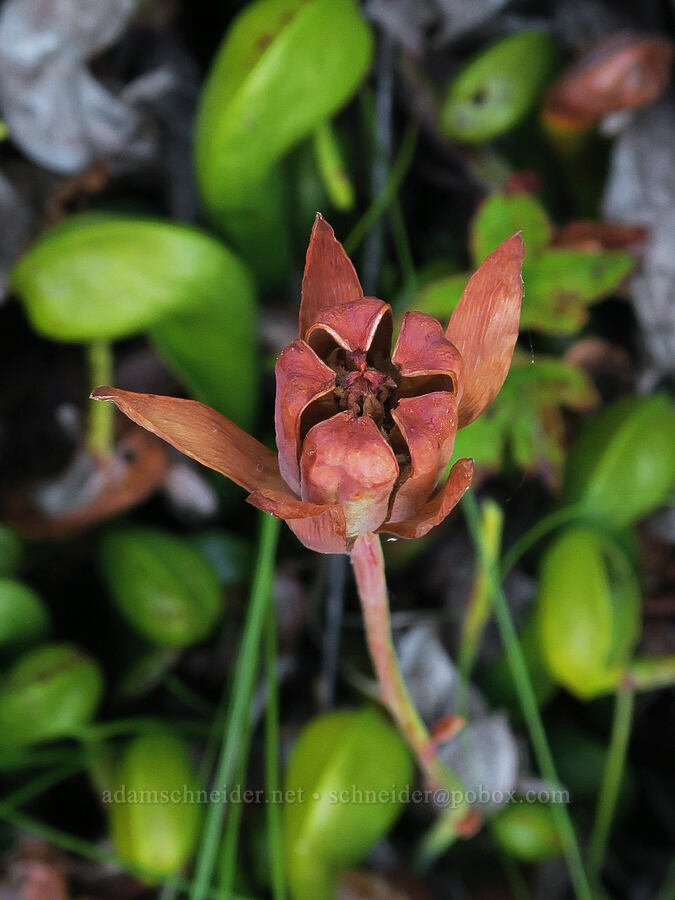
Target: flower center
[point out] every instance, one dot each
(365, 390)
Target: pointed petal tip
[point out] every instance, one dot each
(103, 392)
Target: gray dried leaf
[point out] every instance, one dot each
(641, 189)
(14, 209)
(57, 112)
(485, 753)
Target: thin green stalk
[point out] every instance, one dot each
(272, 781)
(539, 530)
(100, 437)
(382, 202)
(528, 702)
(649, 672)
(42, 783)
(230, 846)
(611, 779)
(402, 245)
(242, 690)
(187, 696)
(332, 169)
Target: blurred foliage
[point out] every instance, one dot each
(164, 587)
(153, 804)
(24, 618)
(49, 692)
(340, 762)
(11, 551)
(255, 106)
(527, 832)
(588, 611)
(108, 277)
(495, 91)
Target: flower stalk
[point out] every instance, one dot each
(368, 562)
(100, 439)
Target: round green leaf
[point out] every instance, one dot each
(153, 807)
(348, 774)
(164, 588)
(527, 831)
(283, 68)
(623, 466)
(497, 88)
(587, 611)
(48, 693)
(23, 616)
(102, 277)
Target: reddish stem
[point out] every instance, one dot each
(366, 556)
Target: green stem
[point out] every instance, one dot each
(368, 562)
(528, 702)
(230, 845)
(611, 779)
(274, 828)
(539, 530)
(242, 690)
(100, 437)
(331, 166)
(649, 672)
(382, 202)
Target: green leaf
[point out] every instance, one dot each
(48, 693)
(284, 67)
(558, 285)
(527, 831)
(23, 616)
(164, 588)
(340, 764)
(153, 808)
(524, 422)
(561, 283)
(500, 215)
(623, 466)
(103, 277)
(498, 87)
(587, 611)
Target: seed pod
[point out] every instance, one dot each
(48, 693)
(623, 466)
(527, 832)
(164, 588)
(588, 612)
(340, 764)
(497, 89)
(23, 615)
(154, 812)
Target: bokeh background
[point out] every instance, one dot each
(161, 163)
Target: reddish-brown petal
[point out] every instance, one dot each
(427, 359)
(359, 325)
(427, 425)
(436, 509)
(319, 527)
(302, 381)
(345, 460)
(330, 278)
(202, 433)
(484, 326)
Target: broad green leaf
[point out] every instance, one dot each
(23, 616)
(103, 277)
(587, 611)
(559, 286)
(524, 422)
(500, 215)
(162, 585)
(284, 67)
(48, 693)
(623, 465)
(152, 804)
(498, 87)
(340, 764)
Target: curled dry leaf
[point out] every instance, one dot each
(622, 71)
(92, 489)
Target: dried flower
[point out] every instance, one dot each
(363, 431)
